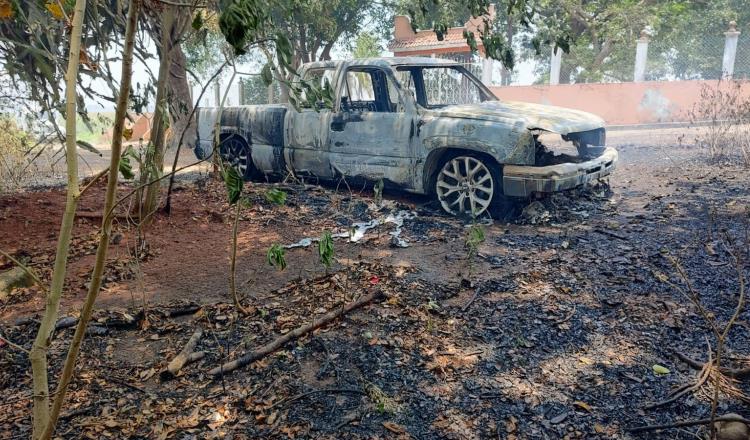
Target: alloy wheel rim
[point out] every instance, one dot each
(236, 155)
(465, 186)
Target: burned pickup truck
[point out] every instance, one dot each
(422, 124)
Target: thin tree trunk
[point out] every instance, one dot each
(506, 74)
(155, 153)
(101, 253)
(233, 262)
(182, 105)
(38, 355)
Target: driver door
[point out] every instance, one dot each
(371, 129)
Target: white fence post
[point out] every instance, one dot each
(555, 63)
(487, 66)
(730, 50)
(240, 92)
(217, 93)
(641, 56)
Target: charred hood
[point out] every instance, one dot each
(532, 116)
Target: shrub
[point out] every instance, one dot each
(14, 143)
(723, 115)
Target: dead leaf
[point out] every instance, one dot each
(272, 417)
(398, 429)
(582, 405)
(146, 374)
(511, 425)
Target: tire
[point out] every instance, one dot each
(467, 184)
(236, 152)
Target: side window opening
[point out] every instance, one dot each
(369, 90)
(440, 86)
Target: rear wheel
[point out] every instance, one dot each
(236, 152)
(467, 185)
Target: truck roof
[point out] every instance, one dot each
(385, 61)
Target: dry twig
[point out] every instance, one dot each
(299, 331)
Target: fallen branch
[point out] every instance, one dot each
(310, 393)
(13, 344)
(697, 365)
(296, 333)
(181, 359)
(686, 423)
(611, 234)
(181, 311)
(688, 388)
(195, 357)
(471, 300)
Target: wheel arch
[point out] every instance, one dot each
(226, 134)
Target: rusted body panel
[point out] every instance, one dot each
(405, 145)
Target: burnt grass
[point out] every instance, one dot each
(568, 318)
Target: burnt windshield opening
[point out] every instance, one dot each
(440, 86)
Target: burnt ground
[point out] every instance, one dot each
(569, 318)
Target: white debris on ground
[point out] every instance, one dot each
(358, 230)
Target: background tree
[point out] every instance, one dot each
(686, 37)
(33, 43)
(367, 45)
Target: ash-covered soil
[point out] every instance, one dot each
(550, 330)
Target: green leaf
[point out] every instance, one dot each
(198, 21)
(475, 236)
(658, 369)
(275, 196)
(233, 182)
(325, 249)
(275, 256)
(126, 168)
(284, 50)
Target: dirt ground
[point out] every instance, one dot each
(550, 331)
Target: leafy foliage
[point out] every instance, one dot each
(244, 22)
(326, 250)
(275, 256)
(125, 166)
(14, 143)
(474, 238)
(367, 45)
(275, 196)
(233, 182)
(33, 53)
(441, 15)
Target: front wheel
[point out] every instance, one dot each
(467, 185)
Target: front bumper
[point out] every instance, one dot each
(522, 181)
